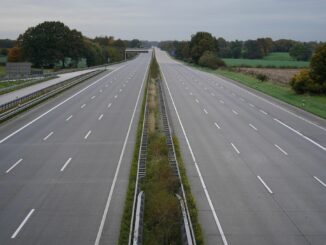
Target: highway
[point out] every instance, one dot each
(257, 168)
(8, 97)
(64, 164)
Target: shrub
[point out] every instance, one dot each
(318, 65)
(300, 81)
(313, 80)
(210, 60)
(262, 77)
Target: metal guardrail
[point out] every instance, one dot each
(12, 108)
(188, 233)
(138, 229)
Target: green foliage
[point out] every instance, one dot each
(262, 77)
(93, 53)
(135, 43)
(210, 59)
(279, 56)
(318, 65)
(126, 217)
(265, 44)
(200, 43)
(253, 50)
(313, 80)
(300, 81)
(283, 45)
(6, 43)
(163, 215)
(183, 50)
(49, 42)
(301, 51)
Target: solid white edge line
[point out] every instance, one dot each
(22, 224)
(252, 126)
(107, 205)
(56, 106)
(14, 165)
(303, 136)
(283, 151)
(48, 136)
(88, 133)
(320, 181)
(217, 221)
(235, 148)
(266, 186)
(66, 164)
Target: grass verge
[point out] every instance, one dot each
(315, 104)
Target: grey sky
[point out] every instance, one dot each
(172, 19)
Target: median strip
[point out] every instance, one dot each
(157, 206)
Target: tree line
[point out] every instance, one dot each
(249, 49)
(51, 42)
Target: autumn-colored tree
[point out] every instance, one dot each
(14, 55)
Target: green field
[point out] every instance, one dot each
(279, 56)
(273, 60)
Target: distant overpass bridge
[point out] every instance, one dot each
(136, 50)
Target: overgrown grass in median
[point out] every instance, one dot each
(315, 104)
(127, 211)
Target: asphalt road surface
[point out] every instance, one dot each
(257, 169)
(64, 165)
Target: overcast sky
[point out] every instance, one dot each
(171, 19)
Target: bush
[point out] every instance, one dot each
(210, 60)
(300, 81)
(313, 80)
(262, 77)
(318, 65)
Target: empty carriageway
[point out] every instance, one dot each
(256, 168)
(64, 165)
